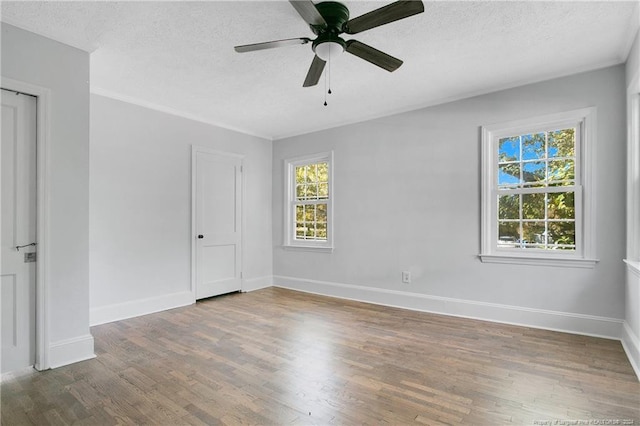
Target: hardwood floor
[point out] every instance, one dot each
(278, 357)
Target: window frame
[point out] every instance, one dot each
(583, 256)
(632, 258)
(290, 242)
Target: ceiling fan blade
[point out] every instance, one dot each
(309, 13)
(315, 71)
(372, 55)
(383, 15)
(271, 44)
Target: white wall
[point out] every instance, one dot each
(140, 210)
(63, 70)
(407, 191)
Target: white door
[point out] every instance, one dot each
(218, 223)
(17, 264)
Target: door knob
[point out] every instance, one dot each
(200, 236)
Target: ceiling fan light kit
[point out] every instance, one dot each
(328, 20)
(329, 49)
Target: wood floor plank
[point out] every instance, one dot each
(279, 357)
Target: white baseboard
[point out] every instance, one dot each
(253, 284)
(136, 308)
(631, 345)
(65, 352)
(589, 325)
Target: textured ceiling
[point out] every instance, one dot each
(179, 57)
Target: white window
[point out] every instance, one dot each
(633, 175)
(537, 196)
(309, 206)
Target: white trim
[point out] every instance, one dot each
(136, 308)
(584, 255)
(172, 111)
(195, 149)
(567, 322)
(631, 345)
(69, 351)
(633, 169)
(258, 283)
(43, 136)
(289, 242)
(539, 260)
(633, 266)
(308, 248)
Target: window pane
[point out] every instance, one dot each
(321, 231)
(311, 231)
(312, 191)
(323, 190)
(562, 170)
(509, 149)
(300, 229)
(533, 206)
(533, 146)
(534, 233)
(561, 205)
(508, 234)
(534, 172)
(300, 174)
(509, 207)
(323, 172)
(321, 212)
(299, 213)
(311, 173)
(309, 213)
(509, 174)
(562, 233)
(562, 143)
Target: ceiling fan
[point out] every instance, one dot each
(328, 20)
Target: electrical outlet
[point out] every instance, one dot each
(406, 277)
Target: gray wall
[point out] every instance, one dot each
(407, 191)
(64, 70)
(140, 211)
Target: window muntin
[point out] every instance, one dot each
(308, 210)
(536, 187)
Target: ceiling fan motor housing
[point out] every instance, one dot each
(328, 43)
(335, 14)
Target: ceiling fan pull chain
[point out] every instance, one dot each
(329, 73)
(325, 86)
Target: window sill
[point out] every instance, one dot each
(633, 265)
(539, 261)
(308, 248)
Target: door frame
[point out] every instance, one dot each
(43, 136)
(195, 150)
